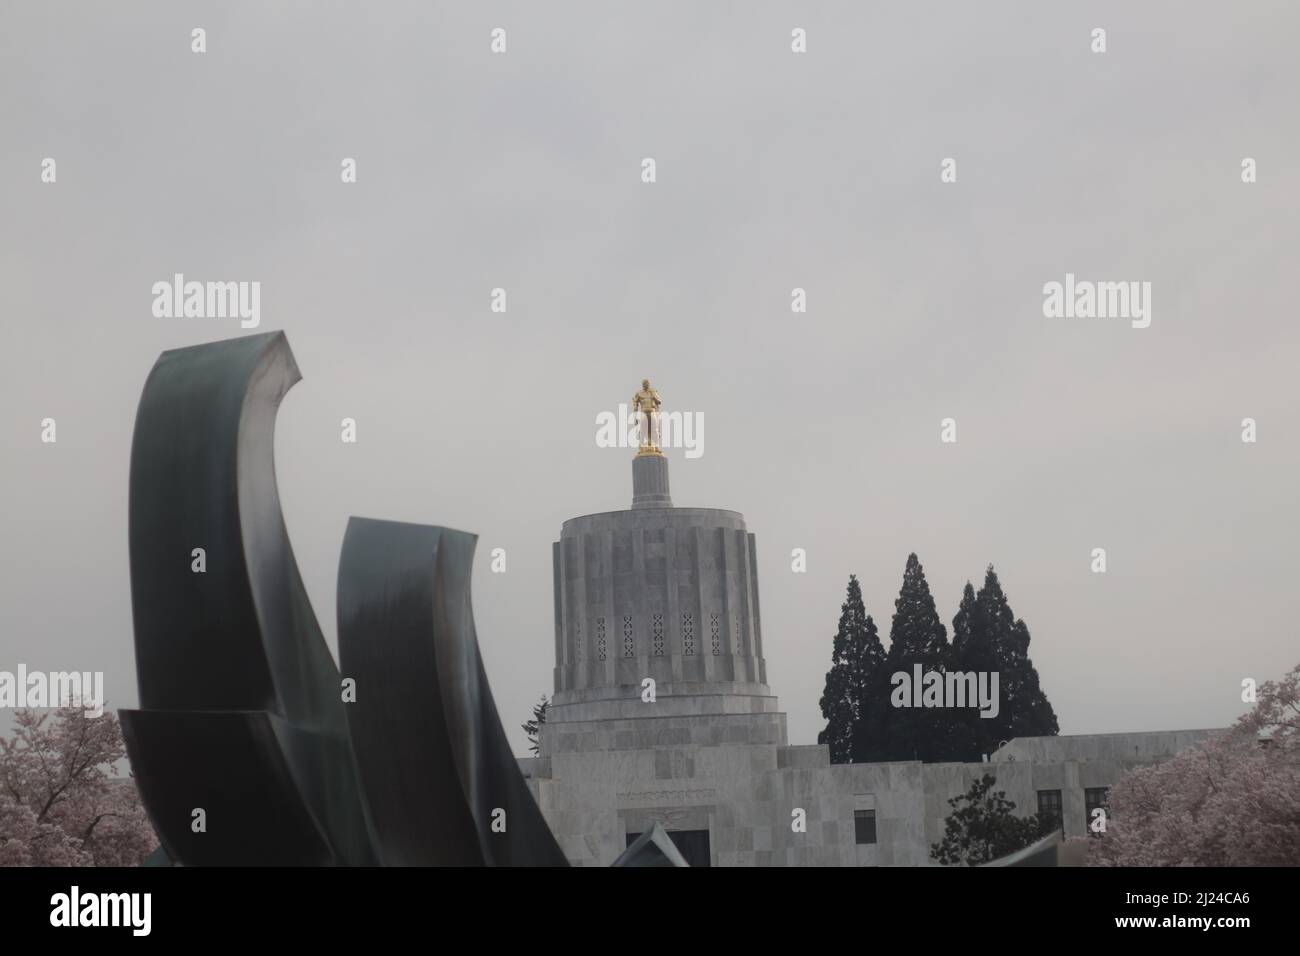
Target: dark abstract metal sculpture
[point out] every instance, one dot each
(438, 771)
(241, 715)
(654, 847)
(242, 710)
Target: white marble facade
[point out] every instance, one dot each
(670, 595)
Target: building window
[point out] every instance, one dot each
(688, 633)
(738, 648)
(1049, 808)
(659, 635)
(864, 826)
(578, 626)
(600, 638)
(629, 646)
(715, 634)
(1096, 798)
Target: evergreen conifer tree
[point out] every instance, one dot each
(916, 636)
(855, 657)
(970, 653)
(1000, 642)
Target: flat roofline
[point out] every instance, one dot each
(1122, 733)
(638, 511)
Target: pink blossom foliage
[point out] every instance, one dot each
(60, 804)
(1233, 800)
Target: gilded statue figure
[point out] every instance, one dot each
(646, 404)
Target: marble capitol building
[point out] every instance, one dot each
(670, 595)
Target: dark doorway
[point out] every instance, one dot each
(693, 845)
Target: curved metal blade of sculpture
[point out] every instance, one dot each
(440, 778)
(241, 715)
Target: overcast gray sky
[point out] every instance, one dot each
(775, 170)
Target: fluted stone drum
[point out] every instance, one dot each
(660, 592)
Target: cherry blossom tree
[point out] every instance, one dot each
(1233, 800)
(60, 804)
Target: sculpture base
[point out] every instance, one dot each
(650, 481)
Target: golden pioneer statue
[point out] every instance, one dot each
(646, 403)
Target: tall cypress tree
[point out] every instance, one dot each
(964, 624)
(969, 652)
(871, 732)
(999, 642)
(916, 636)
(836, 704)
(855, 656)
